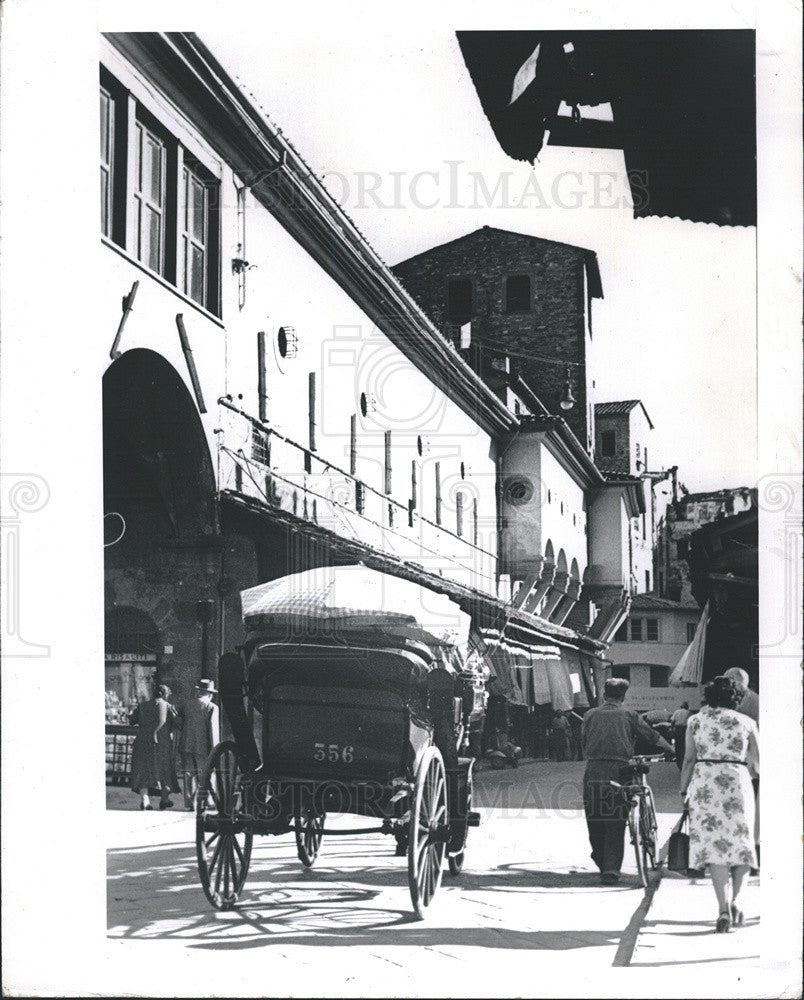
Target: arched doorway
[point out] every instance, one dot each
(163, 558)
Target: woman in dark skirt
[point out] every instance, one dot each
(152, 765)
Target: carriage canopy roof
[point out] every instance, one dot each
(353, 598)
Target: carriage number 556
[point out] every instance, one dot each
(333, 753)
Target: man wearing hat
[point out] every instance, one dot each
(198, 719)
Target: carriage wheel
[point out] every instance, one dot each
(309, 827)
(428, 830)
(222, 837)
(456, 860)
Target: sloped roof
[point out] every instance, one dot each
(590, 257)
(621, 408)
(652, 602)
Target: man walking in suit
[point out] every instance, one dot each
(199, 724)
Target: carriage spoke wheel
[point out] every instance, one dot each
(648, 831)
(636, 839)
(428, 830)
(222, 838)
(309, 826)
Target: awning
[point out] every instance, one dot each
(690, 667)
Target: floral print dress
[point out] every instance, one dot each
(720, 795)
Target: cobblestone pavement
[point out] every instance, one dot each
(528, 909)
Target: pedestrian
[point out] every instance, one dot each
(152, 754)
(609, 734)
(749, 705)
(679, 721)
(716, 783)
(561, 734)
(198, 720)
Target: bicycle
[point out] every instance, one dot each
(642, 825)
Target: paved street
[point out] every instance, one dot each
(528, 900)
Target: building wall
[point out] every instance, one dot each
(550, 514)
(666, 652)
(163, 567)
(608, 540)
(555, 327)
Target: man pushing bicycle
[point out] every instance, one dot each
(609, 736)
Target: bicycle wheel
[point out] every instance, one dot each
(648, 830)
(636, 840)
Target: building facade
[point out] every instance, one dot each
(528, 303)
(274, 400)
(647, 648)
(684, 515)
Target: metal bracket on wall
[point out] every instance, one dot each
(188, 357)
(128, 304)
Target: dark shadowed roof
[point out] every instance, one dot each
(621, 408)
(683, 106)
(589, 256)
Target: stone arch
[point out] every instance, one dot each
(575, 573)
(549, 552)
(561, 562)
(156, 461)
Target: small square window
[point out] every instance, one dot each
(636, 630)
(607, 444)
(621, 672)
(658, 676)
(459, 300)
(517, 293)
(652, 629)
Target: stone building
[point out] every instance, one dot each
(684, 515)
(274, 400)
(529, 305)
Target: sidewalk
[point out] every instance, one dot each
(529, 909)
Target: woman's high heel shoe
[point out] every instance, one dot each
(723, 922)
(737, 916)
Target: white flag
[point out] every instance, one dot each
(690, 666)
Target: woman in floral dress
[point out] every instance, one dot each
(716, 781)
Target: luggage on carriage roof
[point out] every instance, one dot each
(342, 600)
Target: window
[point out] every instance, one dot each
(621, 635)
(647, 581)
(517, 293)
(658, 676)
(691, 629)
(622, 672)
(652, 629)
(149, 198)
(681, 548)
(636, 630)
(194, 236)
(106, 159)
(158, 202)
(607, 444)
(459, 300)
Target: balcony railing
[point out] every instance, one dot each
(257, 461)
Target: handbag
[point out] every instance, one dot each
(678, 847)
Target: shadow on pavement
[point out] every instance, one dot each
(156, 894)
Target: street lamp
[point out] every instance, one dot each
(567, 399)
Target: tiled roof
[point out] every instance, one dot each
(620, 408)
(652, 602)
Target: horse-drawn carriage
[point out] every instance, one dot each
(367, 693)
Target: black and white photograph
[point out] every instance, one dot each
(401, 500)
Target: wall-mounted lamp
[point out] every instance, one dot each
(567, 399)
